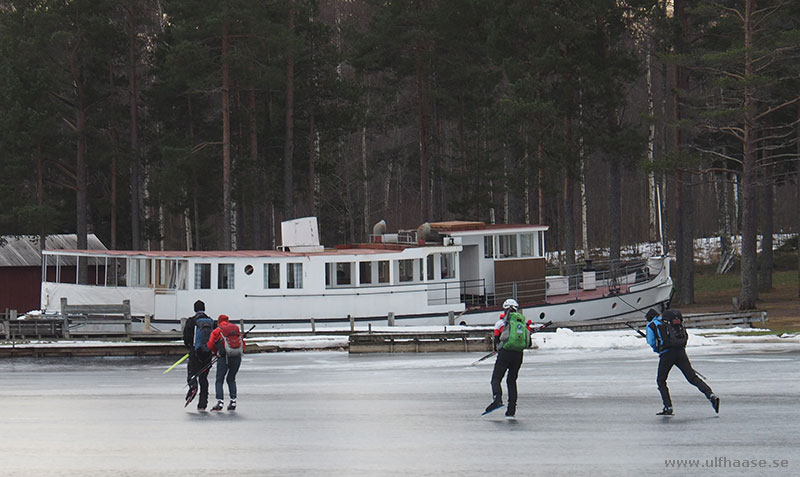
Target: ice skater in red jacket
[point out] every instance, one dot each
(227, 343)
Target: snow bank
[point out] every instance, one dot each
(566, 339)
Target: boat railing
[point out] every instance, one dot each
(401, 237)
(606, 278)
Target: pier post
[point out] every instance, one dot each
(126, 304)
(451, 317)
(390, 318)
(352, 322)
(147, 323)
(65, 325)
(313, 325)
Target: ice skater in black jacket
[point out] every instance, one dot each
(196, 332)
(670, 355)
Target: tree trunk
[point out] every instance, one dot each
(651, 148)
(767, 229)
(81, 183)
(288, 151)
(540, 184)
(227, 216)
(749, 292)
(685, 238)
(133, 100)
(723, 217)
(684, 223)
(42, 226)
(423, 111)
(257, 226)
(584, 208)
(614, 209)
(568, 222)
(365, 178)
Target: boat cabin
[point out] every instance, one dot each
(448, 268)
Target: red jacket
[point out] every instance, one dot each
(224, 327)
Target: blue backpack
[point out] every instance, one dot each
(203, 326)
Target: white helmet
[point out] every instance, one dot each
(510, 303)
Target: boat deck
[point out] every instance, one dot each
(581, 295)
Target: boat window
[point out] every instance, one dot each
(365, 272)
(140, 272)
(541, 244)
(508, 246)
(180, 275)
(272, 275)
(294, 275)
(448, 265)
(405, 270)
(116, 275)
(421, 271)
(383, 271)
(488, 246)
(202, 276)
(344, 273)
(161, 273)
(225, 276)
(526, 245)
(429, 261)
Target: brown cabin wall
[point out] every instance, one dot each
(529, 274)
(21, 287)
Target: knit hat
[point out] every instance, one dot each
(199, 306)
(222, 318)
(651, 313)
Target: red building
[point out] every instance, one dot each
(21, 268)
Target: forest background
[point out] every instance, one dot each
(188, 124)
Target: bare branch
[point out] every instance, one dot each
(776, 108)
(204, 145)
(717, 154)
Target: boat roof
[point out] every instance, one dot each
(360, 249)
(461, 227)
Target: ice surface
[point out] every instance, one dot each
(584, 410)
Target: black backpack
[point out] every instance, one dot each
(671, 332)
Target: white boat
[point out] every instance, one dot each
(452, 273)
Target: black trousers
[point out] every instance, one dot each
(510, 361)
(197, 361)
(677, 357)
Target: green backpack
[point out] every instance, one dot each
(518, 334)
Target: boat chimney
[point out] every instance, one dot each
(378, 230)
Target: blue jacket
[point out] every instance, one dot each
(654, 335)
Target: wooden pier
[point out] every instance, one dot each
(420, 342)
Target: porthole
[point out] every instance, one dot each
(571, 312)
(248, 269)
(541, 315)
(613, 305)
(639, 300)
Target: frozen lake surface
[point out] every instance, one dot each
(582, 412)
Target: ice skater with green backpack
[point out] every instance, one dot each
(511, 336)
